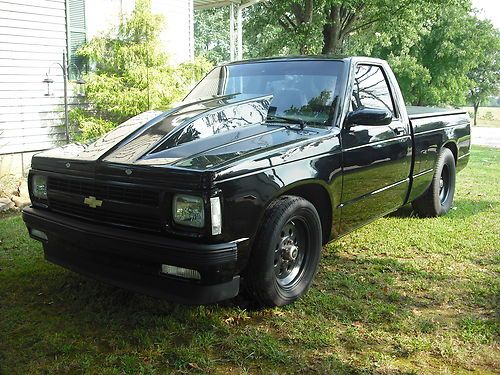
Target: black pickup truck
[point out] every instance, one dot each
(239, 186)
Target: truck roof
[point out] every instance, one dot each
(305, 58)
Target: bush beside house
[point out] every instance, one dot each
(130, 74)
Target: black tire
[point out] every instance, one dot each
(438, 198)
(286, 252)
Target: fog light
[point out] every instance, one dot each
(180, 272)
(39, 234)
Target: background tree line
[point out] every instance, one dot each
(441, 52)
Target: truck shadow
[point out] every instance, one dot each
(351, 297)
(357, 294)
(462, 208)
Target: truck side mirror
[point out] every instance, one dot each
(369, 116)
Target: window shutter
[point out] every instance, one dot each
(77, 34)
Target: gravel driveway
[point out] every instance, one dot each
(485, 136)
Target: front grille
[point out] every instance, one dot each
(105, 191)
(135, 207)
(104, 216)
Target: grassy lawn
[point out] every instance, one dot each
(401, 296)
(486, 116)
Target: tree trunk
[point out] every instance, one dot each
(331, 43)
(476, 107)
(332, 36)
(303, 16)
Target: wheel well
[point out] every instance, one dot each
(453, 148)
(320, 199)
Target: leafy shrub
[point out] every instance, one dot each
(130, 74)
(89, 127)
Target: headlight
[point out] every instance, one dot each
(39, 186)
(188, 210)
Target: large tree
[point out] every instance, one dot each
(450, 52)
(325, 26)
(438, 49)
(432, 67)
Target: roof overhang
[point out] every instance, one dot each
(236, 8)
(207, 4)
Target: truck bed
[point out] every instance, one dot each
(415, 112)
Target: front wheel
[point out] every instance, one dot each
(286, 252)
(438, 198)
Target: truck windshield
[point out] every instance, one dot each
(303, 90)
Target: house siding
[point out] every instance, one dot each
(178, 28)
(32, 38)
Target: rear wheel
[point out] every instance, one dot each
(438, 198)
(286, 252)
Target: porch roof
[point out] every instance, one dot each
(207, 4)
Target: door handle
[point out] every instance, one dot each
(398, 130)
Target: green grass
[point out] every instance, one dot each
(486, 116)
(402, 295)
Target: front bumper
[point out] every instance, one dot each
(132, 260)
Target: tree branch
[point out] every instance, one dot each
(379, 18)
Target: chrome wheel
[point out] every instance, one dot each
(289, 253)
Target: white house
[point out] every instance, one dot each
(34, 34)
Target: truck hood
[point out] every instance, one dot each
(201, 135)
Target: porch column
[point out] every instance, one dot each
(239, 32)
(232, 52)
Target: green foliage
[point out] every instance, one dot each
(131, 73)
(90, 127)
(191, 72)
(337, 26)
(451, 49)
(433, 64)
(272, 30)
(440, 51)
(211, 34)
(485, 76)
(413, 78)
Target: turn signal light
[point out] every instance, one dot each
(185, 273)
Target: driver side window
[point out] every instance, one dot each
(371, 89)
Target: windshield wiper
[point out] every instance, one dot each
(288, 120)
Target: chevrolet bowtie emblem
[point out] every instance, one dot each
(92, 202)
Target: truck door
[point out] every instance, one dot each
(376, 159)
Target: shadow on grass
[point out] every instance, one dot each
(64, 315)
(363, 289)
(68, 322)
(405, 211)
(462, 208)
(466, 207)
